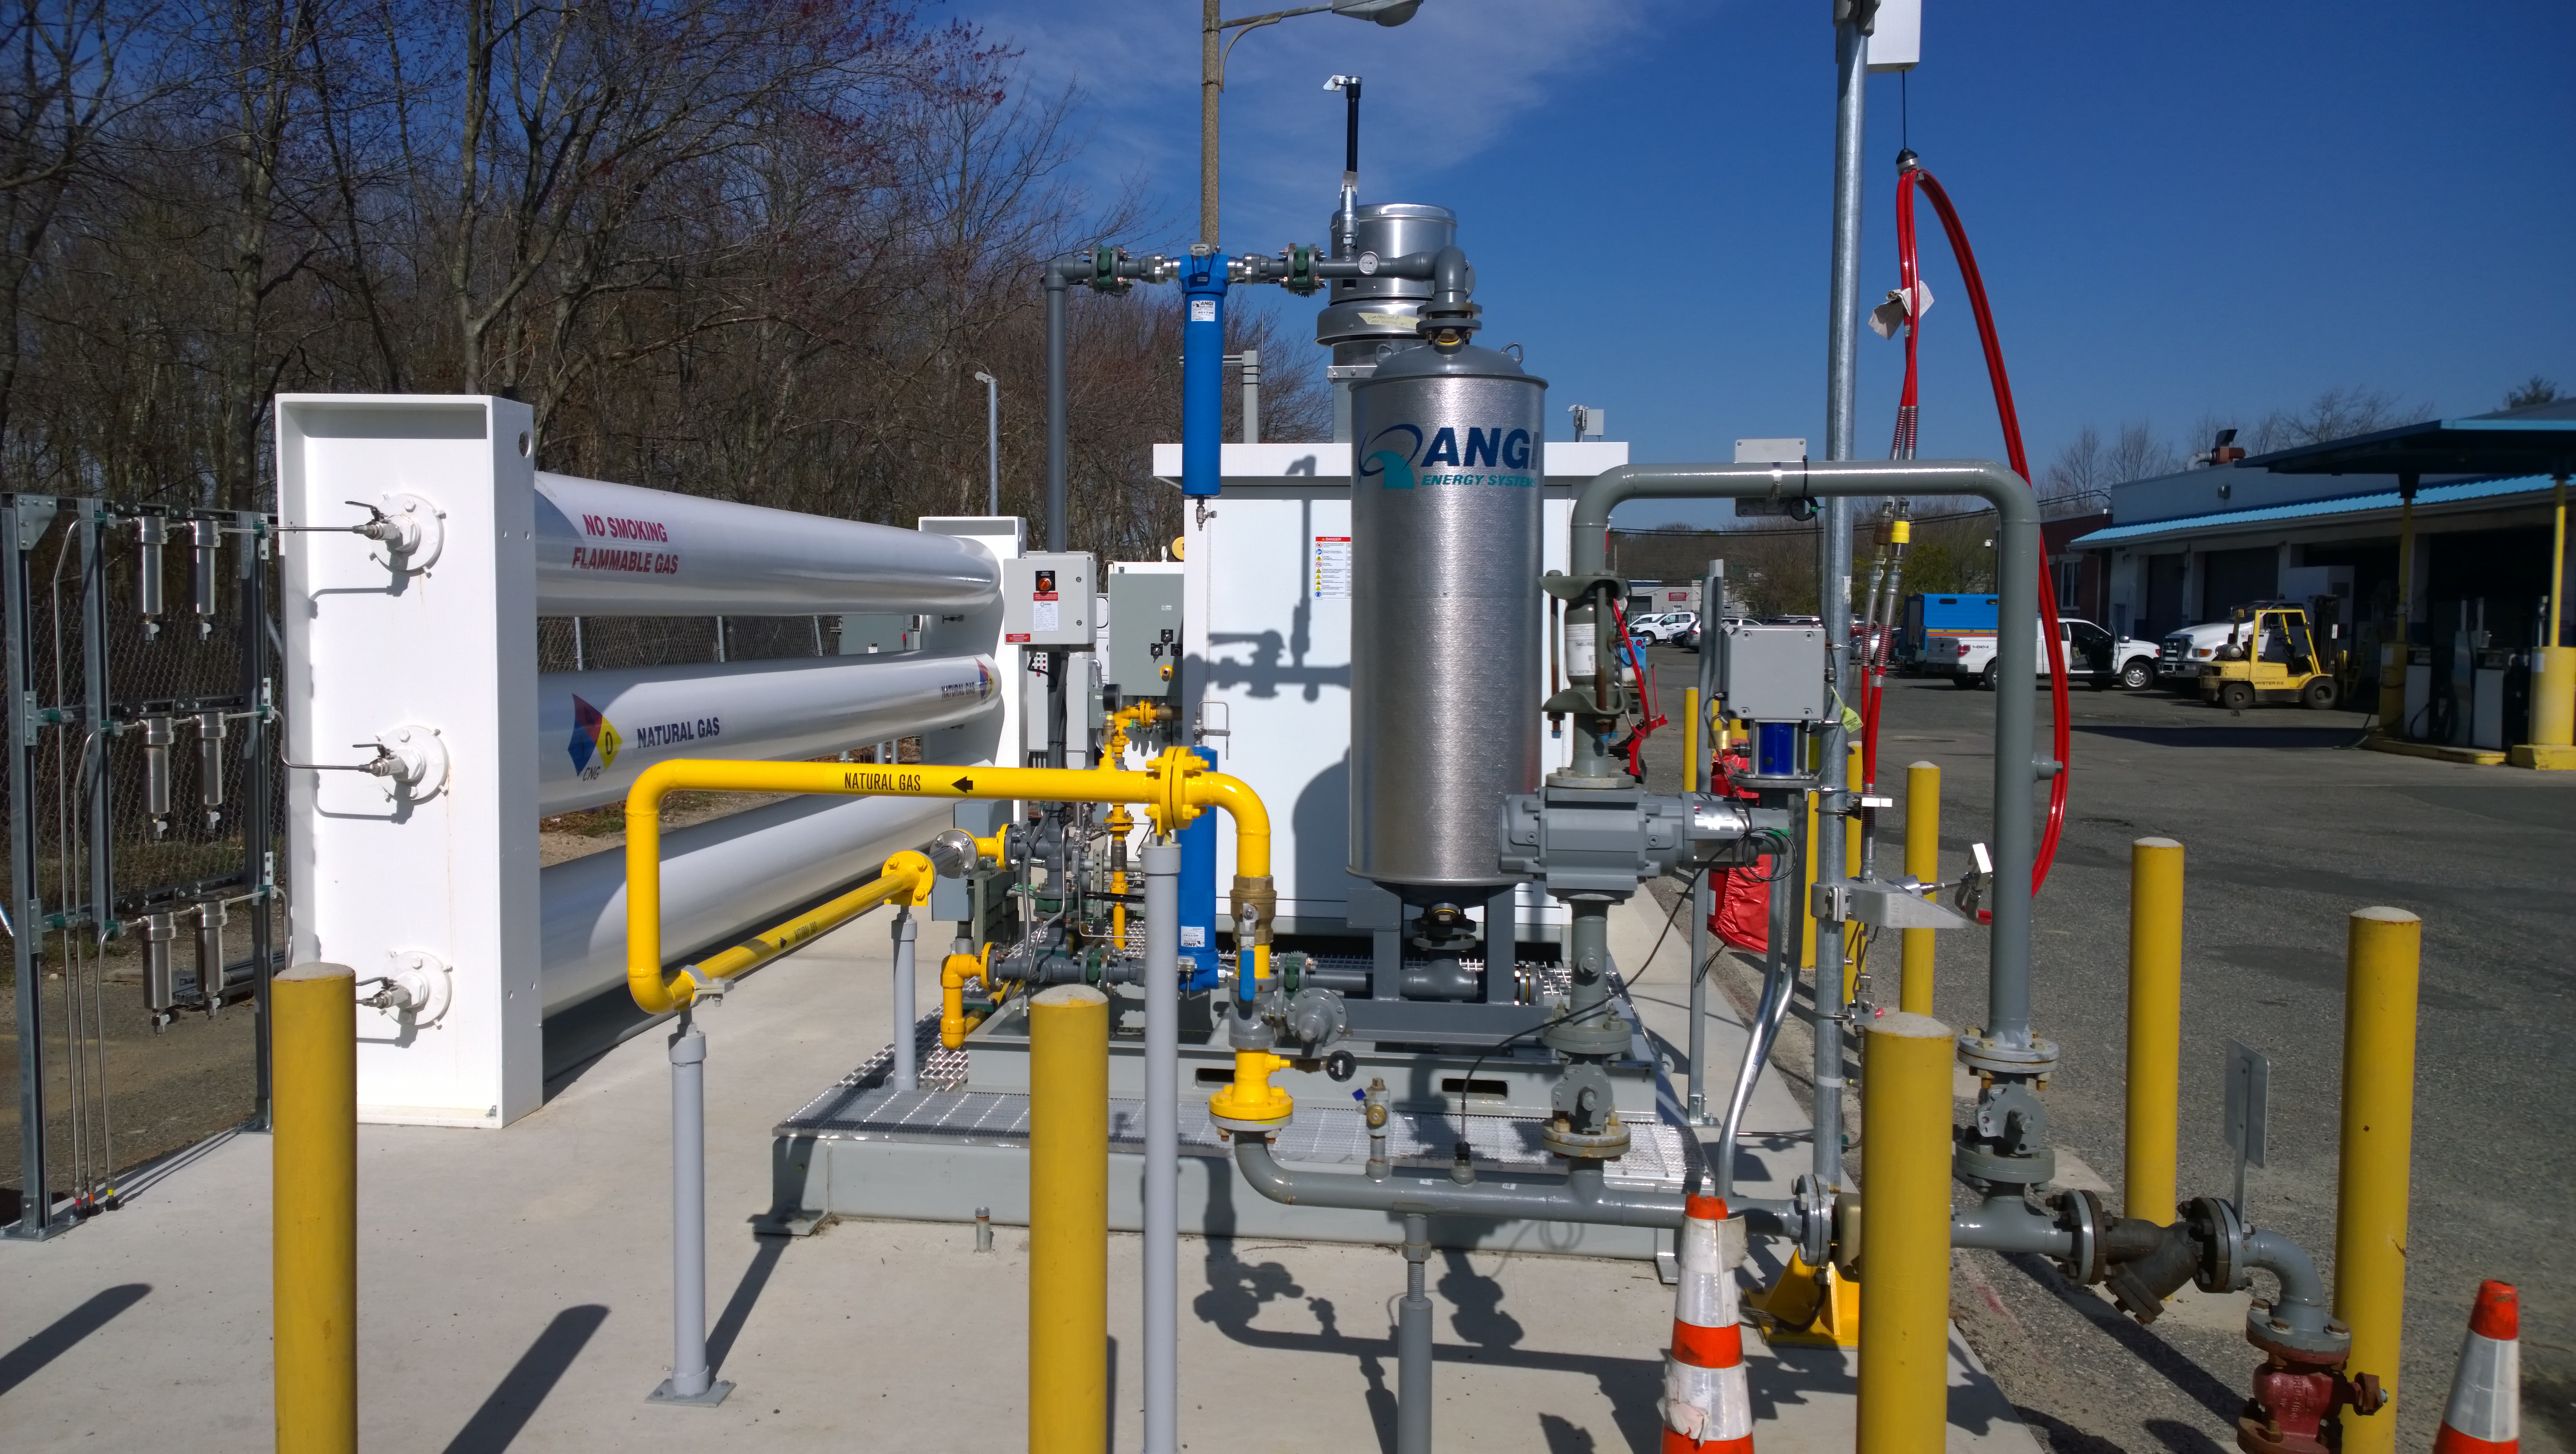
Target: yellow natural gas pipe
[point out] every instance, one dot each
(906, 876)
(1175, 788)
(954, 971)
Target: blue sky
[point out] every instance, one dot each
(2180, 209)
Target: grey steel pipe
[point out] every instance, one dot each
(1057, 281)
(2302, 1303)
(1842, 329)
(690, 1382)
(2006, 1223)
(2017, 524)
(906, 1074)
(1581, 1195)
(1413, 1343)
(1162, 864)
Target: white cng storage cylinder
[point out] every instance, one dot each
(733, 876)
(598, 730)
(621, 550)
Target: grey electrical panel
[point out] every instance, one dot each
(1773, 673)
(1144, 632)
(1047, 600)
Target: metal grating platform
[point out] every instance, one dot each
(1659, 1156)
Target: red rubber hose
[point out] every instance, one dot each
(1909, 177)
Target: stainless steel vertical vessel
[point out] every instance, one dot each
(1446, 618)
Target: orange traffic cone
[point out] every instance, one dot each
(1707, 1405)
(2485, 1414)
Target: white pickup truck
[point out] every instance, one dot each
(2092, 654)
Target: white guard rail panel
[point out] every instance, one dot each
(621, 550)
(439, 877)
(598, 730)
(419, 646)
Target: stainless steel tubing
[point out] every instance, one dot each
(2017, 524)
(1162, 865)
(1701, 899)
(690, 1380)
(906, 1074)
(1579, 1196)
(1413, 1343)
(1779, 987)
(1777, 991)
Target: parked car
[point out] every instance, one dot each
(1665, 626)
(2092, 654)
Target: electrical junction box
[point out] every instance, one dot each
(1773, 673)
(1144, 631)
(1047, 600)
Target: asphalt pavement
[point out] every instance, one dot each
(2287, 830)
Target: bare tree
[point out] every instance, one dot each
(2337, 413)
(2533, 390)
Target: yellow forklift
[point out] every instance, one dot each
(2273, 658)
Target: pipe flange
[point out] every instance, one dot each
(2326, 1348)
(2080, 1213)
(1608, 1036)
(2221, 1233)
(1984, 1168)
(1251, 1126)
(1980, 1051)
(1607, 1144)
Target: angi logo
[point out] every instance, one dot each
(1402, 457)
(592, 737)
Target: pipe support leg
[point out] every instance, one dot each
(1413, 1343)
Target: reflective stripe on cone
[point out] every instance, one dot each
(1707, 1404)
(2485, 1412)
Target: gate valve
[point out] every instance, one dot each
(2296, 1407)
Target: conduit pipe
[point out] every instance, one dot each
(598, 730)
(2017, 523)
(1175, 789)
(620, 550)
(1162, 1279)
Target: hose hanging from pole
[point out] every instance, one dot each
(1911, 174)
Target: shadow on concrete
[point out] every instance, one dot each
(506, 1412)
(2195, 1382)
(737, 1310)
(65, 1333)
(2285, 738)
(1237, 1290)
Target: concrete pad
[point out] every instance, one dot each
(515, 1284)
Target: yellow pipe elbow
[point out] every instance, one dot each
(954, 971)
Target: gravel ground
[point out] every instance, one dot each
(2285, 834)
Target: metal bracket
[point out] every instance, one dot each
(1891, 906)
(35, 514)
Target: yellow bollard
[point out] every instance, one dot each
(1923, 861)
(2378, 1141)
(1905, 1234)
(314, 1198)
(2155, 1028)
(1069, 1221)
(1690, 739)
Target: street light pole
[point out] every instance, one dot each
(992, 442)
(1212, 49)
